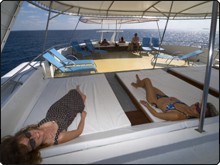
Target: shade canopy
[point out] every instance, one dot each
(158, 9)
(115, 20)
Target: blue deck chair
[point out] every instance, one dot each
(146, 44)
(65, 69)
(71, 62)
(155, 44)
(78, 50)
(92, 49)
(180, 57)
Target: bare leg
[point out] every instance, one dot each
(158, 91)
(132, 46)
(149, 88)
(82, 95)
(150, 91)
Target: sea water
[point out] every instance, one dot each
(23, 46)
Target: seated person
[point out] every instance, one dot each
(135, 42)
(172, 108)
(104, 43)
(24, 147)
(121, 40)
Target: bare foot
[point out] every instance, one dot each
(138, 82)
(134, 84)
(138, 79)
(82, 95)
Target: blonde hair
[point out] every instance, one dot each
(211, 110)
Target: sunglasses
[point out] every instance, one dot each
(31, 141)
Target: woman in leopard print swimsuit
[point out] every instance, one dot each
(25, 145)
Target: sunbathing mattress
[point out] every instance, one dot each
(104, 112)
(166, 82)
(197, 74)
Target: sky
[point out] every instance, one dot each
(28, 13)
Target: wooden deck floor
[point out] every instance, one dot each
(115, 61)
(124, 61)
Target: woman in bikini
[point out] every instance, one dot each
(172, 108)
(24, 147)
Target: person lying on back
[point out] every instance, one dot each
(24, 147)
(172, 108)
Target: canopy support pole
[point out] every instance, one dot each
(163, 33)
(116, 31)
(119, 29)
(76, 26)
(48, 20)
(208, 66)
(158, 30)
(101, 39)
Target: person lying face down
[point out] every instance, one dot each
(24, 146)
(172, 108)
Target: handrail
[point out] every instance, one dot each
(3, 84)
(29, 63)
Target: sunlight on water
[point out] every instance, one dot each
(23, 46)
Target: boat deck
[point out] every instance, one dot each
(142, 129)
(116, 61)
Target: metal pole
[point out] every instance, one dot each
(116, 30)
(76, 26)
(48, 20)
(164, 32)
(209, 65)
(158, 29)
(101, 37)
(29, 63)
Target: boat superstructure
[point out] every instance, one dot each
(109, 136)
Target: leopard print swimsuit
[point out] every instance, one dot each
(64, 111)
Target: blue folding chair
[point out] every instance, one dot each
(66, 69)
(156, 45)
(180, 57)
(78, 50)
(92, 49)
(71, 62)
(146, 44)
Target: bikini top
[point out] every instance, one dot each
(60, 128)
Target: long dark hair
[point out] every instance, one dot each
(12, 152)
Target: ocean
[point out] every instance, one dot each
(23, 46)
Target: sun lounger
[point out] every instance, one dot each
(91, 48)
(67, 69)
(104, 112)
(168, 83)
(156, 45)
(196, 76)
(78, 50)
(71, 62)
(146, 44)
(185, 57)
